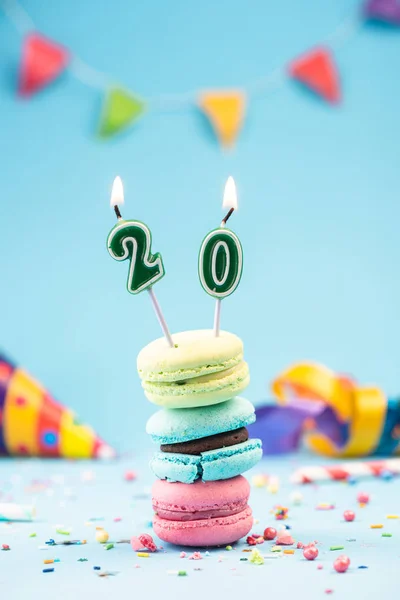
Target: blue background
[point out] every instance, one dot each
(318, 192)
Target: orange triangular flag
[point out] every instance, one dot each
(42, 61)
(317, 70)
(226, 111)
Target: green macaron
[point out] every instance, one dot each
(200, 370)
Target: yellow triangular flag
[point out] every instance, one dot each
(226, 111)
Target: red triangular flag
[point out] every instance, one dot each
(317, 70)
(42, 61)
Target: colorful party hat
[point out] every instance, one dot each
(32, 423)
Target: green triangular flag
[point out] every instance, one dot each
(120, 109)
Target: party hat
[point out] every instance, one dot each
(32, 423)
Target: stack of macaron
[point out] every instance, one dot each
(201, 497)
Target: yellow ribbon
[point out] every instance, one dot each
(362, 408)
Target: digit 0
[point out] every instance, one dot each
(220, 262)
(132, 239)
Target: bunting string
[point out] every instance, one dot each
(44, 60)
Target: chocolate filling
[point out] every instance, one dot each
(211, 442)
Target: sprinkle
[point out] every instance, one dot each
(276, 549)
(96, 568)
(230, 547)
(333, 548)
(32, 535)
(325, 506)
(328, 591)
(196, 556)
(386, 535)
(280, 512)
(351, 540)
(256, 557)
(108, 574)
(379, 526)
(320, 567)
(57, 560)
(143, 555)
(182, 573)
(392, 517)
(49, 561)
(182, 555)
(82, 560)
(117, 519)
(207, 553)
(296, 498)
(109, 546)
(48, 570)
(363, 498)
(363, 567)
(130, 475)
(243, 558)
(63, 531)
(288, 551)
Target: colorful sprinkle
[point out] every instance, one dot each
(376, 526)
(334, 548)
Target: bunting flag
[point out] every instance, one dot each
(386, 11)
(317, 71)
(42, 62)
(226, 112)
(32, 423)
(120, 110)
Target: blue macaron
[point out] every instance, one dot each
(208, 442)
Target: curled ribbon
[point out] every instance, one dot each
(337, 417)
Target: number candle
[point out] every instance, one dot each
(132, 239)
(221, 257)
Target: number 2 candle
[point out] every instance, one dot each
(132, 240)
(221, 257)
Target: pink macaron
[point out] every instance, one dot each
(205, 513)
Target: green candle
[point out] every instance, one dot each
(221, 257)
(132, 240)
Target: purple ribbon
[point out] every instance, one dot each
(280, 427)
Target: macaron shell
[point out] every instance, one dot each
(195, 353)
(213, 389)
(205, 532)
(215, 465)
(201, 496)
(182, 425)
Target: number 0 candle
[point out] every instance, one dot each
(221, 257)
(132, 240)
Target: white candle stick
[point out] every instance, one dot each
(117, 200)
(230, 202)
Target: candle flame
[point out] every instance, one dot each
(117, 193)
(230, 195)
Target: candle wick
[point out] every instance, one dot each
(225, 219)
(117, 212)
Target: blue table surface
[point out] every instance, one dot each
(69, 494)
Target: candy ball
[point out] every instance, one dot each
(101, 536)
(296, 498)
(363, 498)
(349, 515)
(341, 564)
(310, 552)
(270, 533)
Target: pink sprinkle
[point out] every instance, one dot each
(328, 591)
(137, 566)
(196, 556)
(117, 519)
(319, 567)
(182, 555)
